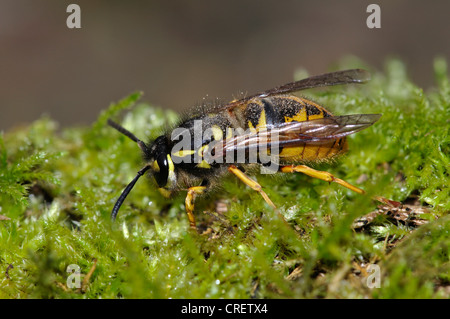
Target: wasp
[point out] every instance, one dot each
(272, 129)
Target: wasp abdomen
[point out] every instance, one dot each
(264, 112)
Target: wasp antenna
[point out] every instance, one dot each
(126, 191)
(128, 134)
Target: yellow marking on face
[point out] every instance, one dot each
(155, 166)
(183, 153)
(171, 179)
(203, 164)
(171, 166)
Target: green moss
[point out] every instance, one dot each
(58, 188)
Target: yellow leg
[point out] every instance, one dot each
(189, 203)
(325, 176)
(251, 183)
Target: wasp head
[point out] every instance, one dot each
(158, 161)
(157, 156)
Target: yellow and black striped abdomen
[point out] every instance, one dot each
(281, 109)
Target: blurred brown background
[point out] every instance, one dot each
(178, 52)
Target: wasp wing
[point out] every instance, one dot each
(290, 134)
(327, 79)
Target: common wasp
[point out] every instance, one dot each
(272, 130)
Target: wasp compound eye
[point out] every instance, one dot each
(162, 172)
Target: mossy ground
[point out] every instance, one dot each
(58, 188)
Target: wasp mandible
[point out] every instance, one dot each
(270, 129)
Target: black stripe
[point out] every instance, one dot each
(271, 115)
(312, 110)
(253, 113)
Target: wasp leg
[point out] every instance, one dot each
(251, 183)
(189, 203)
(320, 175)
